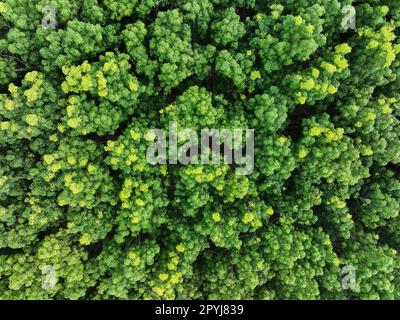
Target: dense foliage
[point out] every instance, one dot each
(78, 197)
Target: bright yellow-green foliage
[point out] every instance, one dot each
(79, 198)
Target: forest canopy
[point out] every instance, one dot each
(84, 215)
